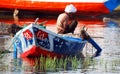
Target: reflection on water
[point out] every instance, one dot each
(107, 63)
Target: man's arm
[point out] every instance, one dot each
(61, 23)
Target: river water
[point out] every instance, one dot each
(107, 37)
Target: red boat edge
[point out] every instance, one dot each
(35, 51)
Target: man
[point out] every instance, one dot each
(13, 28)
(15, 16)
(66, 22)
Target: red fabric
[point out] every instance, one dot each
(36, 52)
(27, 34)
(41, 35)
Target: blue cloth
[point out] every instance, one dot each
(98, 48)
(112, 24)
(112, 4)
(72, 39)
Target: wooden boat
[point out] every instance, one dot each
(34, 41)
(57, 6)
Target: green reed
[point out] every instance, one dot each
(111, 65)
(50, 63)
(36, 64)
(3, 67)
(75, 62)
(55, 64)
(1, 54)
(60, 63)
(115, 64)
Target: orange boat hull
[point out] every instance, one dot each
(55, 7)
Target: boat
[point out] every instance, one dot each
(34, 41)
(57, 6)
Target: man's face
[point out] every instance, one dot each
(71, 15)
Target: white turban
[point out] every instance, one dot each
(70, 9)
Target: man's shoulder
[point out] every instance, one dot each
(63, 15)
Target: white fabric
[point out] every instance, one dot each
(70, 9)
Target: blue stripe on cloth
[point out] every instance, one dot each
(68, 45)
(112, 4)
(72, 39)
(112, 24)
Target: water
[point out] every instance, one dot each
(107, 63)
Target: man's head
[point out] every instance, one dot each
(70, 9)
